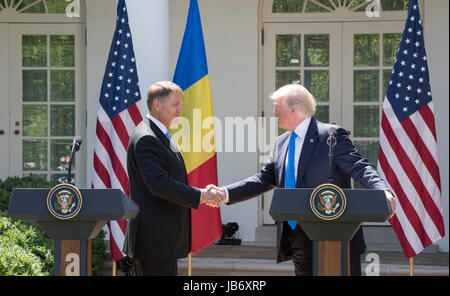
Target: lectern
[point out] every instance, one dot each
(330, 238)
(71, 235)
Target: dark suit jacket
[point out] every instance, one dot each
(158, 184)
(312, 172)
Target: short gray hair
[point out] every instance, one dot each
(297, 96)
(160, 91)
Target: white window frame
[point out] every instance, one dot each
(15, 66)
(340, 15)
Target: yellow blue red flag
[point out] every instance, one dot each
(198, 148)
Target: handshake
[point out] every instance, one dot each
(213, 196)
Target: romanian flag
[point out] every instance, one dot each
(196, 134)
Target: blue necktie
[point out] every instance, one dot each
(169, 135)
(289, 181)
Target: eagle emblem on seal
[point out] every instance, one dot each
(64, 201)
(328, 200)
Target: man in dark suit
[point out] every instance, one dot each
(300, 160)
(161, 232)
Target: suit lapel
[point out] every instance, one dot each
(163, 138)
(309, 144)
(281, 161)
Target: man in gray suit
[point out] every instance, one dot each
(300, 160)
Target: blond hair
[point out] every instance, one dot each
(297, 96)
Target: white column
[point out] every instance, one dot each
(149, 24)
(436, 22)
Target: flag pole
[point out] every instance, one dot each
(189, 264)
(114, 268)
(411, 266)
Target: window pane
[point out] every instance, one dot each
(366, 50)
(288, 50)
(391, 43)
(386, 77)
(368, 149)
(317, 82)
(365, 86)
(34, 120)
(62, 86)
(34, 50)
(38, 7)
(40, 176)
(62, 120)
(361, 4)
(61, 178)
(57, 6)
(395, 4)
(60, 155)
(313, 7)
(62, 51)
(283, 77)
(317, 50)
(34, 85)
(287, 6)
(366, 121)
(34, 155)
(323, 113)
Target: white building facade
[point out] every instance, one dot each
(52, 67)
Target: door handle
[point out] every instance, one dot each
(2, 132)
(16, 132)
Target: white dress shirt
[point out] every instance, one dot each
(300, 130)
(158, 123)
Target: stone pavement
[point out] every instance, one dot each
(252, 259)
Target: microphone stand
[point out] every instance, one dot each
(69, 175)
(75, 147)
(331, 143)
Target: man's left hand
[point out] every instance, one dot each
(392, 202)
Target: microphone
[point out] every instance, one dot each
(75, 147)
(332, 136)
(76, 143)
(331, 141)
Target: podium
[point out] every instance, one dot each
(331, 239)
(72, 256)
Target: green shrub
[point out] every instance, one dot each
(24, 247)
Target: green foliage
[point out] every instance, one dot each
(24, 247)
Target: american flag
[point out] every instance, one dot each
(117, 116)
(407, 156)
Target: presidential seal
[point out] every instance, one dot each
(64, 201)
(328, 202)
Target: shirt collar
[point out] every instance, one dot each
(302, 128)
(158, 123)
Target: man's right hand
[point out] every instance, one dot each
(213, 196)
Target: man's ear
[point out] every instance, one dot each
(156, 105)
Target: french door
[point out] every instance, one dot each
(45, 98)
(345, 65)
